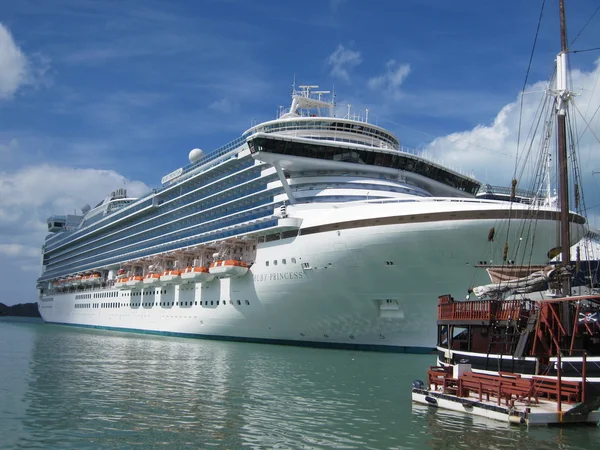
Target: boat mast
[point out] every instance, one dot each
(563, 96)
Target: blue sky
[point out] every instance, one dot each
(99, 94)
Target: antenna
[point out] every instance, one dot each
(333, 99)
(306, 89)
(319, 93)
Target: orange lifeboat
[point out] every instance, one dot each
(152, 279)
(135, 281)
(196, 274)
(171, 277)
(76, 282)
(121, 283)
(229, 268)
(94, 279)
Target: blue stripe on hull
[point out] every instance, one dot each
(313, 344)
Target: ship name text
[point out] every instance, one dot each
(278, 276)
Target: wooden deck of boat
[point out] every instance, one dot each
(508, 397)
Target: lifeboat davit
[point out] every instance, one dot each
(121, 283)
(86, 279)
(76, 282)
(196, 274)
(134, 282)
(229, 268)
(152, 279)
(171, 277)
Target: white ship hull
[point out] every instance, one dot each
(371, 287)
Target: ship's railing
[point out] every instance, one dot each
(221, 151)
(485, 310)
(503, 190)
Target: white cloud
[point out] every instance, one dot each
(29, 196)
(334, 5)
(47, 187)
(490, 150)
(19, 250)
(341, 60)
(6, 150)
(224, 105)
(391, 81)
(14, 67)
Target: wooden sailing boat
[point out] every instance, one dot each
(518, 350)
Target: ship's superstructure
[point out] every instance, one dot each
(307, 229)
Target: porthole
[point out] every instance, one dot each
(293, 260)
(267, 263)
(283, 261)
(247, 302)
(326, 335)
(239, 303)
(275, 262)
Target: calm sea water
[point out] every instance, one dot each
(63, 387)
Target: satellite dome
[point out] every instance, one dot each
(85, 209)
(195, 155)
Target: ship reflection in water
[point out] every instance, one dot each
(82, 388)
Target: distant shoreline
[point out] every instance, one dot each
(19, 310)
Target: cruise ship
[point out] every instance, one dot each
(307, 230)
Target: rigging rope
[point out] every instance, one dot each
(537, 31)
(586, 24)
(586, 50)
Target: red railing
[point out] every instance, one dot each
(508, 386)
(465, 311)
(448, 309)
